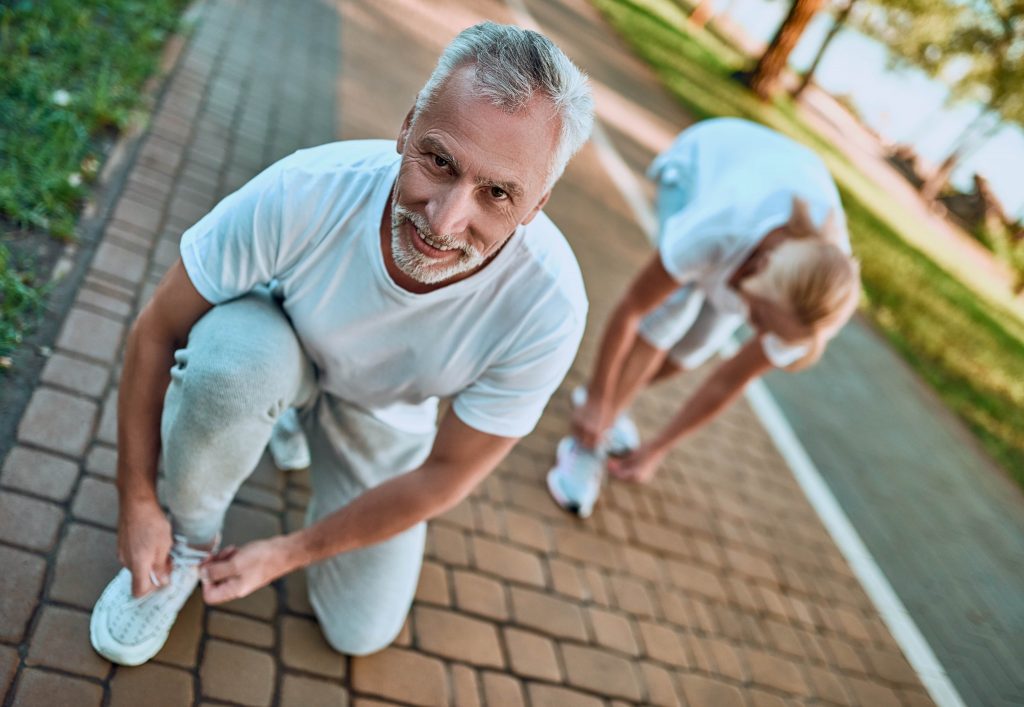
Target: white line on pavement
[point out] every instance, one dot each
(874, 581)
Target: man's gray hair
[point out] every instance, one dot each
(511, 65)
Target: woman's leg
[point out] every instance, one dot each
(659, 332)
(643, 364)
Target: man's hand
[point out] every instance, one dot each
(589, 423)
(237, 572)
(638, 467)
(144, 545)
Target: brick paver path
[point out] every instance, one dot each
(714, 585)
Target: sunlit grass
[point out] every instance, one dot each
(70, 76)
(967, 346)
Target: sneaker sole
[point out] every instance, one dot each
(561, 501)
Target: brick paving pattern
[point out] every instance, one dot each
(714, 585)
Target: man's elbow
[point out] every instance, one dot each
(152, 329)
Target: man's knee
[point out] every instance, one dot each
(241, 357)
(358, 638)
(219, 389)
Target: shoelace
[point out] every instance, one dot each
(183, 554)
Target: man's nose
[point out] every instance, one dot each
(449, 212)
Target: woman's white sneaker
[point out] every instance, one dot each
(623, 438)
(129, 630)
(575, 481)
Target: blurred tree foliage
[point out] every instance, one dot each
(976, 47)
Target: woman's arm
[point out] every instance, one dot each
(715, 393)
(651, 286)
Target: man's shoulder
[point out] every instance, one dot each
(348, 157)
(553, 265)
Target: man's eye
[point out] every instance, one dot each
(441, 162)
(498, 193)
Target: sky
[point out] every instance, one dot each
(902, 105)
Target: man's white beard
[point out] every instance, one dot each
(420, 267)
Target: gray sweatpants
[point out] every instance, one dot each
(243, 366)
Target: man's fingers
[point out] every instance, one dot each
(219, 570)
(163, 574)
(141, 582)
(218, 593)
(225, 554)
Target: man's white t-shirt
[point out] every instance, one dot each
(739, 179)
(498, 342)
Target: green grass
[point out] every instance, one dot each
(20, 302)
(966, 344)
(70, 76)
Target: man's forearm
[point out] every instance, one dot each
(144, 382)
(376, 515)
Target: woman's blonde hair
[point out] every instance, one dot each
(822, 287)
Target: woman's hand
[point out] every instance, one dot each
(589, 423)
(638, 467)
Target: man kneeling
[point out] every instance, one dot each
(359, 285)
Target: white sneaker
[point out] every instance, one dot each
(575, 481)
(288, 445)
(129, 630)
(622, 438)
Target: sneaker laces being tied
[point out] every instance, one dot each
(187, 556)
(155, 611)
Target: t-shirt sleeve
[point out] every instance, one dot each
(238, 245)
(780, 353)
(509, 398)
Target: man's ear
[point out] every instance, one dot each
(403, 133)
(536, 209)
(800, 222)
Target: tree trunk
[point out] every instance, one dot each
(933, 185)
(833, 31)
(765, 77)
(701, 14)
